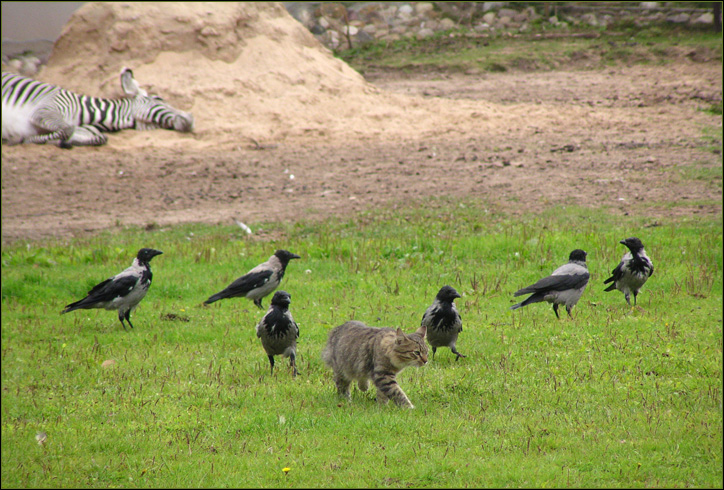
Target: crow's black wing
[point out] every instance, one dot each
(242, 286)
(559, 282)
(106, 291)
(616, 274)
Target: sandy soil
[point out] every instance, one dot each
(316, 140)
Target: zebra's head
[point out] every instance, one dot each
(150, 111)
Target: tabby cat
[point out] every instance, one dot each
(359, 353)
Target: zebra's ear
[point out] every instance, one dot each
(130, 85)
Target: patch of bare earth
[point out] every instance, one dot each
(634, 129)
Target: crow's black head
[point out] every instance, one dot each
(633, 244)
(447, 293)
(281, 299)
(285, 256)
(578, 255)
(146, 254)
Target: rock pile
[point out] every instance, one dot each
(340, 27)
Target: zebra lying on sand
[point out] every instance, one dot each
(37, 112)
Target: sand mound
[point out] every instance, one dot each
(244, 70)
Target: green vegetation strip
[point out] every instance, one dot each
(543, 47)
(615, 397)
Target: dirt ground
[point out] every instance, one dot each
(643, 127)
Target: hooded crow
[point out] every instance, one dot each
(123, 291)
(633, 271)
(278, 331)
(443, 321)
(258, 282)
(563, 287)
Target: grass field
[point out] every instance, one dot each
(614, 397)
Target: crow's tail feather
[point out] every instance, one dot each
(214, 297)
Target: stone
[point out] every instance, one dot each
(446, 24)
(492, 5)
(423, 8)
(682, 18)
(303, 12)
(424, 33)
(590, 19)
(504, 20)
(362, 37)
(707, 18)
(507, 13)
(489, 18)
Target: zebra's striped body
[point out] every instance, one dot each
(37, 112)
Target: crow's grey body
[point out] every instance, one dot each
(443, 321)
(564, 286)
(632, 272)
(258, 282)
(123, 291)
(278, 331)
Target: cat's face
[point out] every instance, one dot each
(410, 350)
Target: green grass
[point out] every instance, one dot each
(614, 397)
(543, 47)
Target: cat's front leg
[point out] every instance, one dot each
(342, 385)
(388, 389)
(363, 384)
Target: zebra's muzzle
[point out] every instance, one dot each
(183, 123)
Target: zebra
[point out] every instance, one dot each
(37, 112)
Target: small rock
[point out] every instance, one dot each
(678, 19)
(424, 33)
(423, 8)
(446, 24)
(492, 5)
(507, 13)
(707, 18)
(504, 20)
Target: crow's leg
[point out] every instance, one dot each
(293, 362)
(454, 351)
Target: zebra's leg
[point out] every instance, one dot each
(80, 136)
(87, 135)
(50, 126)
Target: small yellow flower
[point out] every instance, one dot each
(286, 470)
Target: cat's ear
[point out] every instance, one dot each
(422, 331)
(400, 333)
